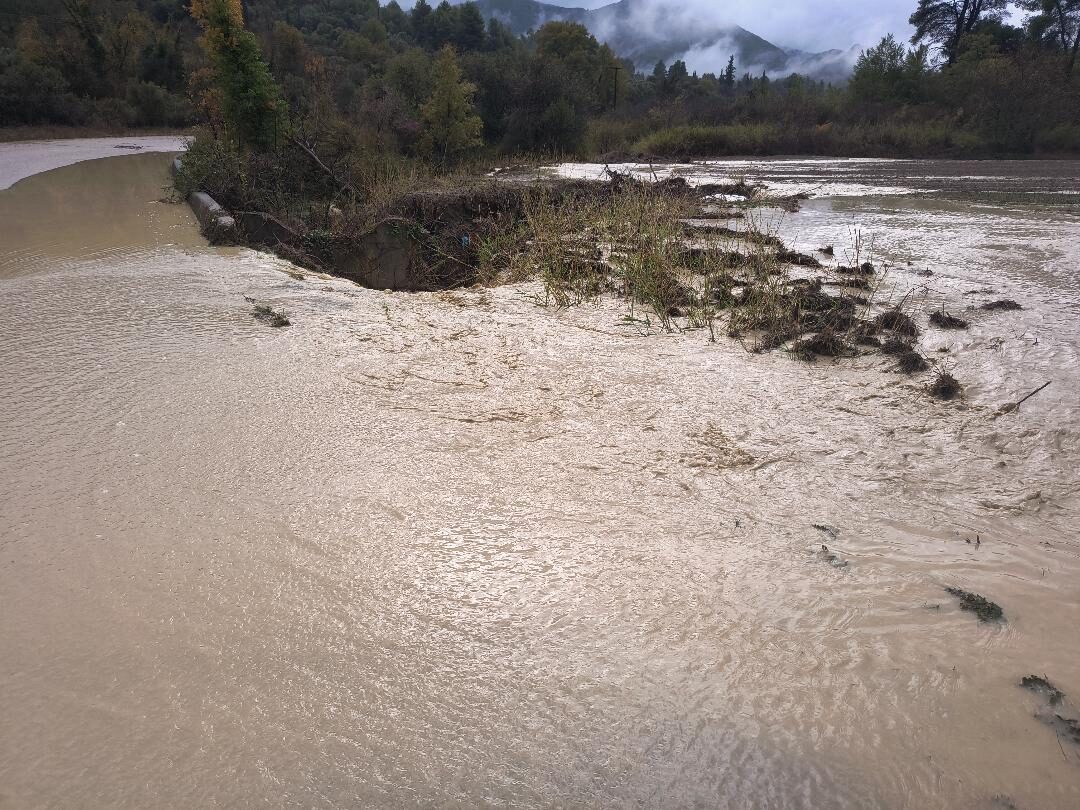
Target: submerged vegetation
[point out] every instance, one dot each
(1055, 712)
(945, 320)
(982, 607)
(270, 316)
(1001, 306)
(945, 386)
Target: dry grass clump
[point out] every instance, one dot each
(911, 362)
(945, 386)
(865, 333)
(895, 346)
(945, 320)
(629, 242)
(796, 258)
(635, 243)
(982, 607)
(824, 344)
(866, 269)
(1005, 305)
(270, 316)
(895, 320)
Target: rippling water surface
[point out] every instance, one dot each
(456, 549)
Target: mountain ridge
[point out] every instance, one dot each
(646, 32)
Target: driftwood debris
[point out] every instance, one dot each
(1009, 407)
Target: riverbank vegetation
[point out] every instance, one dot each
(442, 84)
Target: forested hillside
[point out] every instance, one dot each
(445, 83)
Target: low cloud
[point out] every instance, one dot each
(834, 65)
(820, 25)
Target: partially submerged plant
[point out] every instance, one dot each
(911, 362)
(945, 386)
(865, 329)
(1042, 686)
(896, 346)
(1056, 712)
(1005, 305)
(982, 607)
(825, 344)
(944, 320)
(270, 316)
(865, 268)
(895, 320)
(796, 258)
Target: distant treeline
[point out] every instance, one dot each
(442, 84)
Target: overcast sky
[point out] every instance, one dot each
(812, 25)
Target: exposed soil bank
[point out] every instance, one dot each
(430, 240)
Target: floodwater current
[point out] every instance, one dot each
(457, 549)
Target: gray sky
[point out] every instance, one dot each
(811, 25)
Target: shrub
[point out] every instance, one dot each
(153, 105)
(35, 94)
(1064, 138)
(212, 165)
(703, 141)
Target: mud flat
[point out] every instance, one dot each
(449, 548)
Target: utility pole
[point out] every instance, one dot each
(615, 85)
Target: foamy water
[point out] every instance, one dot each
(458, 549)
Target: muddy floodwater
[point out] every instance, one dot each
(457, 549)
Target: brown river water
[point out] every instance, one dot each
(461, 550)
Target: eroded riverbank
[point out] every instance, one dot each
(454, 548)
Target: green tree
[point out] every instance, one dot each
(677, 76)
(471, 33)
(729, 73)
(32, 93)
(288, 51)
(444, 25)
(499, 37)
(1057, 21)
(420, 17)
(944, 23)
(451, 126)
(251, 101)
(395, 20)
(88, 26)
(879, 72)
(409, 73)
(162, 61)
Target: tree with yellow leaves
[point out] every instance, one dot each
(251, 101)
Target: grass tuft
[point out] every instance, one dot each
(944, 320)
(982, 607)
(897, 321)
(945, 386)
(270, 316)
(1006, 305)
(911, 362)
